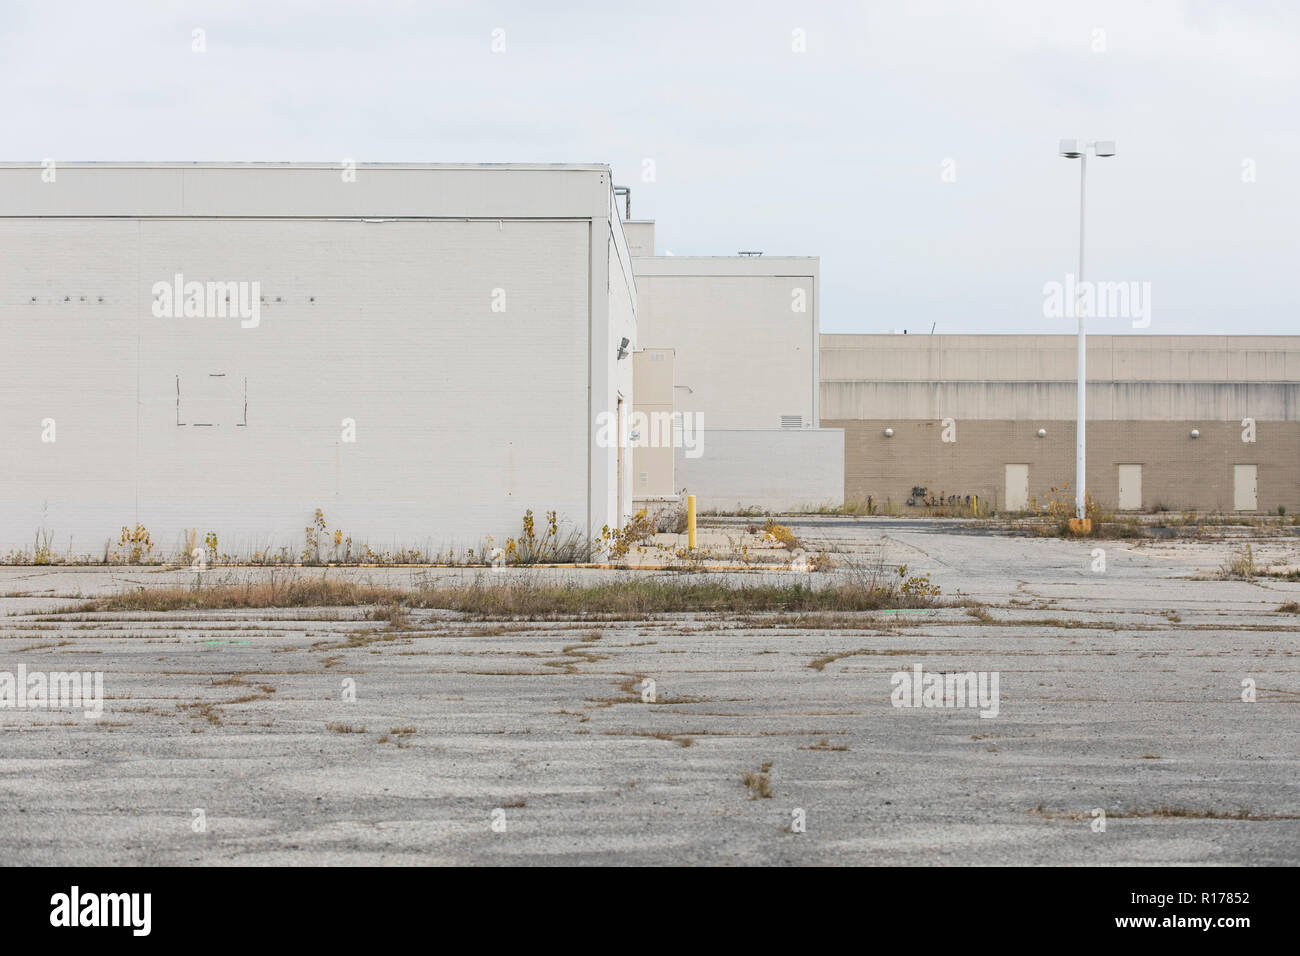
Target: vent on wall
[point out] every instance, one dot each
(792, 421)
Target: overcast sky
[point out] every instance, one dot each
(839, 151)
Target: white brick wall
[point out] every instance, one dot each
(464, 417)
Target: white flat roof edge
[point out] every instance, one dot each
(667, 259)
(312, 164)
(330, 191)
(1150, 340)
(682, 267)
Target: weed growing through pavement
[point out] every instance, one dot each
(1240, 565)
(337, 728)
(134, 545)
(486, 597)
(759, 784)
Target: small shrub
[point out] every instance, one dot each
(42, 552)
(134, 546)
(1059, 508)
(339, 540)
(618, 542)
(549, 547)
(821, 561)
(781, 534)
(314, 535)
(671, 520)
(1240, 565)
(916, 587)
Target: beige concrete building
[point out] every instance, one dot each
(730, 349)
(1178, 422)
(745, 329)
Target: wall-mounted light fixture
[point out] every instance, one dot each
(889, 433)
(1196, 433)
(1042, 433)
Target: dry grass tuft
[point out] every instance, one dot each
(337, 728)
(759, 784)
(486, 598)
(1240, 565)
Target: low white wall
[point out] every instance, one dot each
(776, 469)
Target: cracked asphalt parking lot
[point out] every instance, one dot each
(516, 742)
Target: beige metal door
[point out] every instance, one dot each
(1244, 497)
(1130, 487)
(1017, 493)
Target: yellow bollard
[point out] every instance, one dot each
(976, 499)
(690, 522)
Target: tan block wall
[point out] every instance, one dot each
(1178, 472)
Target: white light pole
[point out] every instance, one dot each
(1071, 149)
